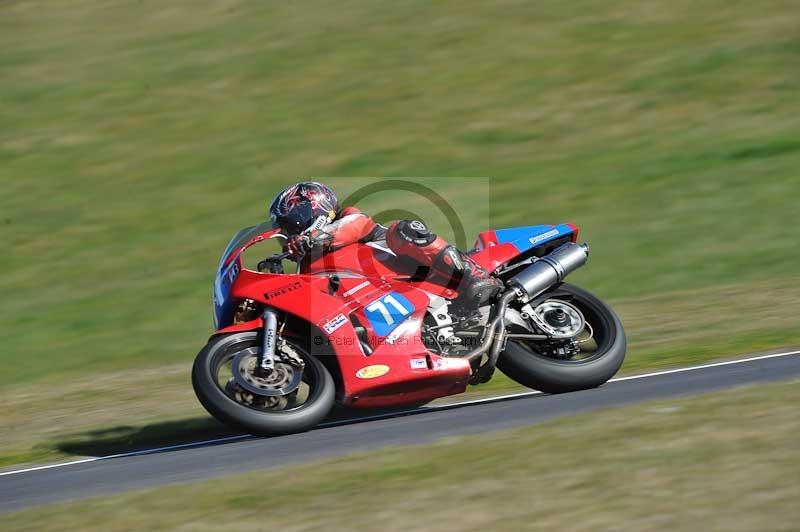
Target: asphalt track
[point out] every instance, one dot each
(202, 460)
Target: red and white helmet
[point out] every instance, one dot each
(303, 206)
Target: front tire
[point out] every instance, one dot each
(524, 364)
(229, 408)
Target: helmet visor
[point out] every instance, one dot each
(297, 220)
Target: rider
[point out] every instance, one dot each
(308, 214)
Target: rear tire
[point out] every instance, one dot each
(552, 375)
(260, 422)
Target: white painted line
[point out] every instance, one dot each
(49, 466)
(388, 415)
(704, 366)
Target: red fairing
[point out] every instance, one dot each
(575, 231)
(358, 259)
(493, 257)
(253, 325)
(490, 255)
(371, 261)
(485, 240)
(391, 373)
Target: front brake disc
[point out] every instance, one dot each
(282, 380)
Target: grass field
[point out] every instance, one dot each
(723, 461)
(135, 138)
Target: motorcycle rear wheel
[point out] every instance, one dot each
(254, 414)
(522, 362)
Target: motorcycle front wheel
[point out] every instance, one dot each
(540, 366)
(308, 399)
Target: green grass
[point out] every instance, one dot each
(723, 461)
(135, 138)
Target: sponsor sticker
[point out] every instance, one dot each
(319, 223)
(372, 372)
(419, 363)
(543, 236)
(334, 323)
(233, 272)
(356, 288)
(283, 290)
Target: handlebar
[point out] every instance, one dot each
(274, 263)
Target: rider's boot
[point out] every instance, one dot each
(475, 285)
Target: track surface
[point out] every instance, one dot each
(105, 476)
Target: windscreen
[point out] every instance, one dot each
(228, 270)
(241, 238)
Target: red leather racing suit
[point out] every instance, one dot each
(351, 226)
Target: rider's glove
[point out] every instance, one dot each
(299, 245)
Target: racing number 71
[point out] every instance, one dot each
(380, 306)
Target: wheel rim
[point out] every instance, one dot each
(307, 390)
(591, 350)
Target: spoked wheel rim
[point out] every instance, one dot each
(291, 388)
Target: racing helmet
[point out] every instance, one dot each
(303, 206)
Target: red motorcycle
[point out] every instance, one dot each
(365, 328)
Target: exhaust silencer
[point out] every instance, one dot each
(549, 270)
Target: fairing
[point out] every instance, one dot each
(500, 246)
(230, 265)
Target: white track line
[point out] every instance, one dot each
(388, 415)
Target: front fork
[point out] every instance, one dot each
(266, 358)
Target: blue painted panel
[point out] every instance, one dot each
(387, 312)
(223, 306)
(525, 238)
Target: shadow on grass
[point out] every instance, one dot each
(126, 438)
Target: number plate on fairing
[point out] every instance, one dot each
(387, 312)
